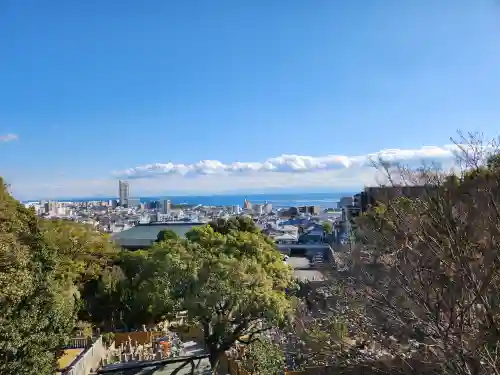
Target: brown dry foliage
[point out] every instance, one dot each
(435, 275)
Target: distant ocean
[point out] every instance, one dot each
(324, 200)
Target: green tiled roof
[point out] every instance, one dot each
(143, 235)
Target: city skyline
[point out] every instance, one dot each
(193, 98)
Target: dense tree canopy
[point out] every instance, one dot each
(327, 227)
(51, 271)
(228, 276)
(234, 285)
(264, 357)
(234, 224)
(37, 307)
(166, 234)
(83, 253)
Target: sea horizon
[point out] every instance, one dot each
(276, 199)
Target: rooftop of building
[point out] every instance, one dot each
(285, 237)
(143, 235)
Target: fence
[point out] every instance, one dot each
(78, 343)
(89, 360)
(186, 333)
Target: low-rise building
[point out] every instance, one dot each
(314, 234)
(258, 209)
(133, 202)
(345, 201)
(143, 236)
(311, 210)
(285, 239)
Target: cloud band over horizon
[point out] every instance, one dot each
(282, 173)
(293, 163)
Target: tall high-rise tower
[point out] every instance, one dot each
(123, 192)
(166, 206)
(247, 205)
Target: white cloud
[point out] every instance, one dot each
(8, 137)
(291, 163)
(289, 172)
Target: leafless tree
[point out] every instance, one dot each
(435, 280)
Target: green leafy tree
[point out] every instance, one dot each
(103, 300)
(371, 230)
(231, 299)
(234, 224)
(37, 308)
(83, 253)
(241, 245)
(132, 293)
(234, 286)
(327, 227)
(88, 259)
(263, 357)
(166, 235)
(493, 162)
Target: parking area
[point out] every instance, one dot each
(303, 270)
(298, 262)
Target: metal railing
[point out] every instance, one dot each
(78, 343)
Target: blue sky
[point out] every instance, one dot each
(95, 90)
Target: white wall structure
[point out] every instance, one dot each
(90, 361)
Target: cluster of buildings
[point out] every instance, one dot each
(135, 223)
(300, 231)
(131, 220)
(283, 228)
(126, 212)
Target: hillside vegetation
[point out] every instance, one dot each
(56, 274)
